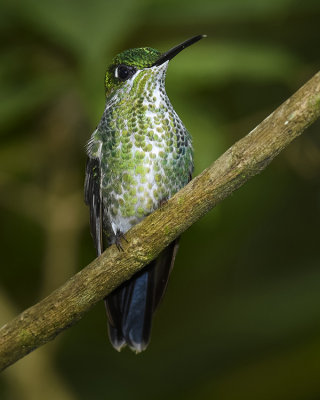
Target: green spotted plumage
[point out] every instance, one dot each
(144, 149)
(139, 156)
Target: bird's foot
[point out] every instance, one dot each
(163, 202)
(119, 237)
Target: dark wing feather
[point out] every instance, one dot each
(92, 197)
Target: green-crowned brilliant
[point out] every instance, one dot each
(138, 157)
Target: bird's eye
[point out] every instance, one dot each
(124, 72)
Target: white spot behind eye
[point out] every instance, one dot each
(116, 73)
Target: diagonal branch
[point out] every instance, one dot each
(246, 158)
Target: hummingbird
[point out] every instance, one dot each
(139, 156)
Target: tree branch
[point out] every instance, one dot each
(250, 155)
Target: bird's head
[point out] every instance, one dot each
(145, 61)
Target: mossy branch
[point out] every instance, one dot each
(246, 158)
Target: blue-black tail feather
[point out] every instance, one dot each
(131, 306)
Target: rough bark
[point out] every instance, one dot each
(246, 158)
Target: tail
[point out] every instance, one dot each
(131, 306)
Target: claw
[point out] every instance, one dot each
(119, 236)
(124, 238)
(119, 247)
(163, 202)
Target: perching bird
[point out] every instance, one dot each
(138, 157)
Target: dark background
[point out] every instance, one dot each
(241, 318)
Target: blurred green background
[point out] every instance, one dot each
(241, 318)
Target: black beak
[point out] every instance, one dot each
(175, 50)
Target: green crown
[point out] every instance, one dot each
(140, 58)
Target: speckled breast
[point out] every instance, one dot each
(146, 153)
